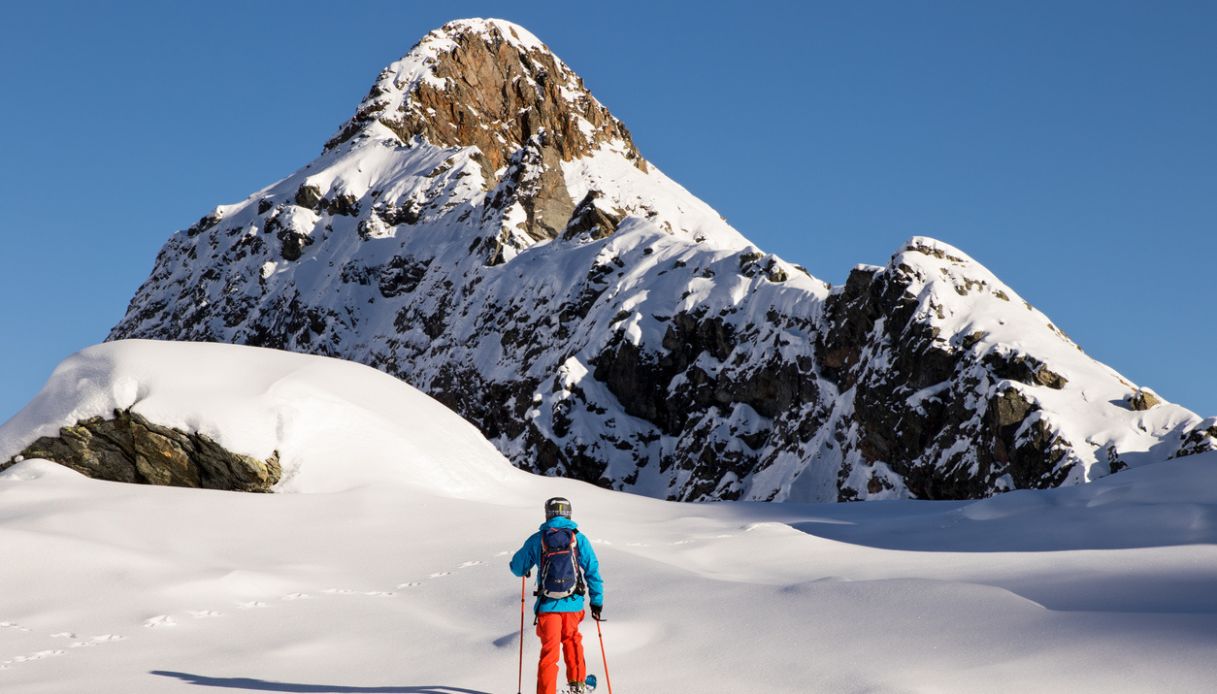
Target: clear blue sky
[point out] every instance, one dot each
(1069, 146)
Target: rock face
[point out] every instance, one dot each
(1201, 438)
(129, 448)
(484, 229)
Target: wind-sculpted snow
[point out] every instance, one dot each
(485, 230)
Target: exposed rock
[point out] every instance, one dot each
(204, 223)
(404, 213)
(495, 94)
(1023, 368)
(588, 218)
(1200, 439)
(1143, 399)
(401, 275)
(293, 243)
(534, 182)
(346, 205)
(308, 196)
(129, 448)
(751, 264)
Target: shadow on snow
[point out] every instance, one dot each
(256, 685)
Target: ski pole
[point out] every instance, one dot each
(604, 657)
(520, 681)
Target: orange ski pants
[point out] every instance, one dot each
(559, 629)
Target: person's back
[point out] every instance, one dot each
(568, 578)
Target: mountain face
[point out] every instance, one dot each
(484, 229)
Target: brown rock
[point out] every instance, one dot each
(1143, 399)
(496, 97)
(129, 448)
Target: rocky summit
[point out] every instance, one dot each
(484, 229)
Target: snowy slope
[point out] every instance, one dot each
(382, 565)
(484, 229)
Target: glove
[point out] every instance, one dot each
(596, 612)
(528, 573)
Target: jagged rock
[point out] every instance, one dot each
(346, 205)
(293, 243)
(204, 223)
(588, 218)
(534, 182)
(750, 265)
(1200, 439)
(129, 448)
(401, 275)
(405, 213)
(494, 91)
(308, 196)
(1024, 369)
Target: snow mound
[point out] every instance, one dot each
(335, 424)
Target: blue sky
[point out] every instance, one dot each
(1068, 146)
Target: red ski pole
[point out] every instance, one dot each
(520, 682)
(604, 658)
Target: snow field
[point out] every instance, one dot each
(381, 567)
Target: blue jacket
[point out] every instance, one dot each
(529, 557)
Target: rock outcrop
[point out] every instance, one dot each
(1201, 438)
(486, 230)
(129, 448)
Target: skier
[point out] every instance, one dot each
(568, 570)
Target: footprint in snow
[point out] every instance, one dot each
(97, 641)
(251, 604)
(380, 593)
(204, 614)
(296, 596)
(439, 574)
(161, 620)
(467, 564)
(12, 625)
(503, 553)
(338, 591)
(64, 635)
(50, 653)
(411, 584)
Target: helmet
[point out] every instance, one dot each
(557, 506)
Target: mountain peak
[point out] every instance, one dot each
(484, 229)
(490, 84)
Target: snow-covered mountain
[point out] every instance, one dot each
(380, 565)
(484, 229)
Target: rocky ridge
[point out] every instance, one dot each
(486, 230)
